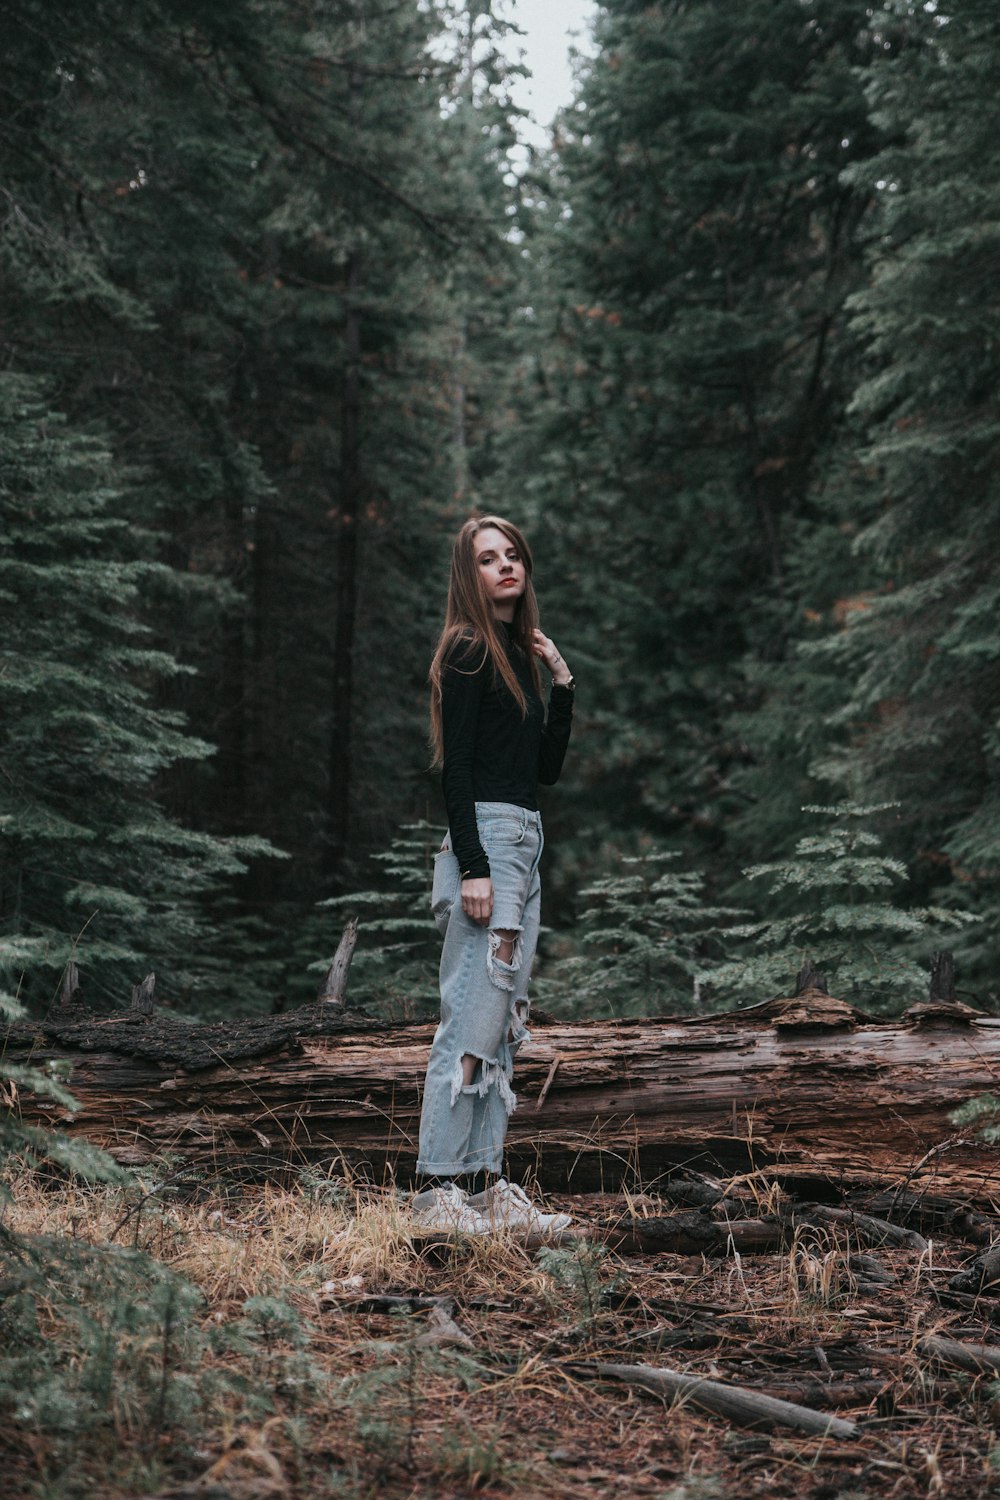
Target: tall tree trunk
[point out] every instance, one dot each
(348, 516)
(231, 731)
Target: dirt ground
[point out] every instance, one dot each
(326, 1351)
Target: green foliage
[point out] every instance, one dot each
(582, 1280)
(836, 886)
(265, 264)
(983, 1112)
(394, 969)
(97, 1341)
(386, 1401)
(643, 934)
(685, 367)
(918, 655)
(92, 868)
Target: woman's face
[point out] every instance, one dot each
(501, 568)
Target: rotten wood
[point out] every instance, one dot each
(944, 976)
(809, 978)
(808, 1391)
(806, 1090)
(982, 1275)
(930, 1214)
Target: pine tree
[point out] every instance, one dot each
(835, 888)
(249, 294)
(92, 869)
(918, 653)
(685, 391)
(643, 936)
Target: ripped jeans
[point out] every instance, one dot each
(484, 1001)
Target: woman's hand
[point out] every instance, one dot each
(549, 652)
(477, 899)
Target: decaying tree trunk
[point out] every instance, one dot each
(806, 1088)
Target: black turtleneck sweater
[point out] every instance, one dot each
(492, 753)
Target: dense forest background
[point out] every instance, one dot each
(277, 312)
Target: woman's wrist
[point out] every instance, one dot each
(561, 674)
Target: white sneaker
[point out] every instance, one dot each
(507, 1206)
(447, 1208)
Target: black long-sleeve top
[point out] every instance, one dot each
(491, 752)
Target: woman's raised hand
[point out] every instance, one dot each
(549, 652)
(477, 899)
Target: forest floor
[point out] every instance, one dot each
(271, 1344)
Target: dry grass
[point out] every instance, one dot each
(314, 1392)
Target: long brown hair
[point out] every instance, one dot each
(470, 618)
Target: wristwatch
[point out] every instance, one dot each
(571, 684)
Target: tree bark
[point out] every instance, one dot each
(806, 1094)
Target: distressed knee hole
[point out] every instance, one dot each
(477, 1075)
(518, 1031)
(503, 956)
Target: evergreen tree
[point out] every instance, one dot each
(918, 654)
(249, 293)
(643, 935)
(91, 867)
(685, 391)
(835, 890)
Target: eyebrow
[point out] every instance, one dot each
(489, 551)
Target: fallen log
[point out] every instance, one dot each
(805, 1090)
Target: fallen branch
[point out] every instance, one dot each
(980, 1359)
(867, 1230)
(696, 1234)
(745, 1407)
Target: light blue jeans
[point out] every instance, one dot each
(484, 1001)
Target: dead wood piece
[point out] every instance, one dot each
(927, 1212)
(966, 1303)
(695, 1234)
(981, 1275)
(979, 1358)
(944, 975)
(738, 1404)
(823, 1393)
(811, 1009)
(386, 1302)
(942, 1013)
(809, 978)
(69, 993)
(144, 995)
(333, 990)
(679, 1338)
(697, 1191)
(867, 1229)
(873, 1270)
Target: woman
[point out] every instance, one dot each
(495, 743)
